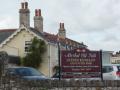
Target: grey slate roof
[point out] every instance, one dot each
(37, 32)
(5, 33)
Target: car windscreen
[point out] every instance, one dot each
(28, 72)
(118, 68)
(107, 69)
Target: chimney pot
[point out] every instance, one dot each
(62, 25)
(36, 12)
(22, 5)
(39, 11)
(26, 5)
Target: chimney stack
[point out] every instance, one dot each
(38, 20)
(24, 17)
(62, 31)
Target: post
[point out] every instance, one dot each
(101, 64)
(59, 60)
(49, 65)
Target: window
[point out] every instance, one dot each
(27, 46)
(107, 69)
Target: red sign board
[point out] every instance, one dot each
(80, 63)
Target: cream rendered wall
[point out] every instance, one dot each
(10, 50)
(16, 45)
(115, 59)
(53, 57)
(50, 59)
(44, 68)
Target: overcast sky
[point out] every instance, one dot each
(96, 23)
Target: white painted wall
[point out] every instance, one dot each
(16, 45)
(50, 59)
(106, 57)
(115, 59)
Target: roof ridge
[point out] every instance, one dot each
(5, 30)
(53, 37)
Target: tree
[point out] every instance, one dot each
(36, 50)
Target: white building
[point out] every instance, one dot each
(106, 57)
(115, 58)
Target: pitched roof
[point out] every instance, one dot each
(64, 41)
(5, 33)
(36, 32)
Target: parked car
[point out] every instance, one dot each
(26, 73)
(111, 72)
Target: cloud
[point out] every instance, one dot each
(82, 16)
(96, 16)
(94, 22)
(7, 22)
(111, 38)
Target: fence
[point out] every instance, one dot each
(15, 83)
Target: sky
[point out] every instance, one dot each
(96, 23)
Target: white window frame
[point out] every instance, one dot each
(27, 46)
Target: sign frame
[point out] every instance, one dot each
(81, 63)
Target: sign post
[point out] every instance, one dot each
(59, 61)
(101, 64)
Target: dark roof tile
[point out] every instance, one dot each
(55, 38)
(5, 33)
